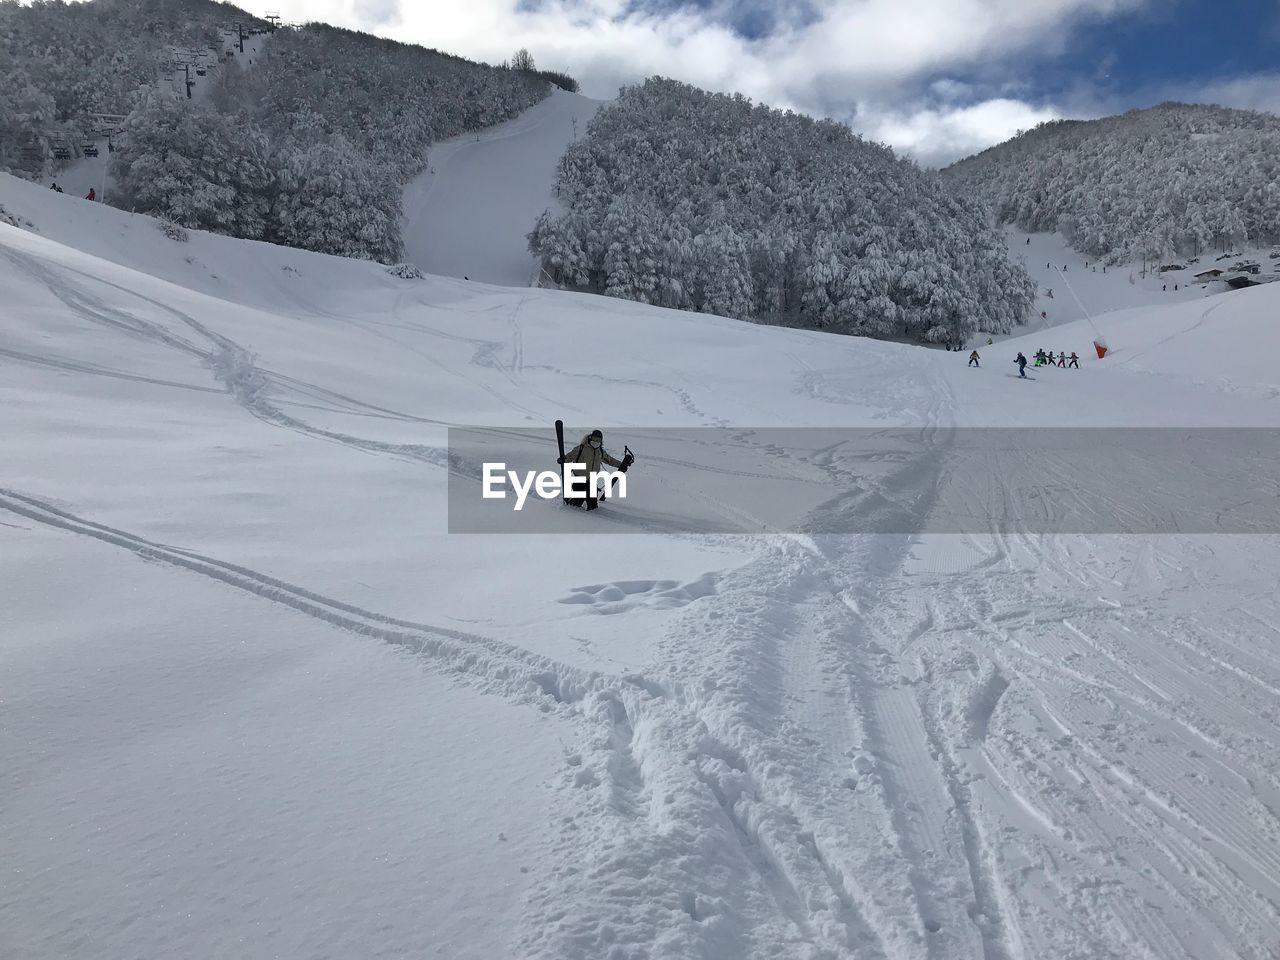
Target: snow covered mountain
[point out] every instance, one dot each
(306, 139)
(259, 701)
(699, 201)
(1174, 180)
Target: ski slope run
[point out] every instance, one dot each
(469, 213)
(259, 701)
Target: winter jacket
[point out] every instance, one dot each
(586, 454)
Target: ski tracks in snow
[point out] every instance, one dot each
(845, 750)
(669, 843)
(1121, 777)
(233, 366)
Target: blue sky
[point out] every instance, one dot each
(1173, 45)
(936, 79)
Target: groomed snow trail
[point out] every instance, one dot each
(468, 213)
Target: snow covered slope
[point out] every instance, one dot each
(468, 213)
(1082, 287)
(259, 702)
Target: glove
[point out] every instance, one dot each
(627, 461)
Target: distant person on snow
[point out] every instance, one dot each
(974, 358)
(1075, 361)
(91, 195)
(54, 185)
(1062, 358)
(1021, 361)
(591, 454)
(989, 341)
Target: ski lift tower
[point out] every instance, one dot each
(274, 20)
(188, 83)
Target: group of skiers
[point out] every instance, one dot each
(1044, 359)
(91, 195)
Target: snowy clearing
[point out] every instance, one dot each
(258, 701)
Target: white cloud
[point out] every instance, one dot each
(1259, 91)
(935, 137)
(853, 59)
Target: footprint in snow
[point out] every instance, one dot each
(623, 595)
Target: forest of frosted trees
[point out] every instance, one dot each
(1172, 180)
(309, 147)
(60, 62)
(702, 201)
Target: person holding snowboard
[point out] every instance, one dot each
(974, 358)
(1021, 361)
(592, 454)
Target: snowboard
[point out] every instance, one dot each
(560, 444)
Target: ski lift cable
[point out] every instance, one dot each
(1072, 290)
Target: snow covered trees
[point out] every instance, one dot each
(200, 168)
(388, 100)
(1175, 179)
(196, 167)
(310, 145)
(93, 57)
(28, 115)
(706, 202)
(332, 198)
